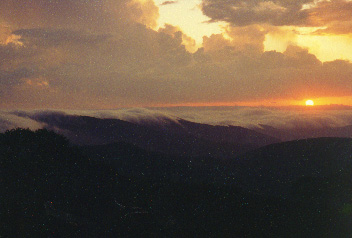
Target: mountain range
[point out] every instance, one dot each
(96, 177)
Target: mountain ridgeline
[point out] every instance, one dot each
(171, 137)
(111, 178)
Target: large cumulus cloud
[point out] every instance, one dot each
(100, 49)
(94, 15)
(294, 74)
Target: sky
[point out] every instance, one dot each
(106, 54)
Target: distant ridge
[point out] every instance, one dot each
(305, 132)
(178, 138)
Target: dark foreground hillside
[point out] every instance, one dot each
(275, 168)
(49, 188)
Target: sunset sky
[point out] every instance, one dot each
(105, 54)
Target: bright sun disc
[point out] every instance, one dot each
(309, 103)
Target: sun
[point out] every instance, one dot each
(309, 103)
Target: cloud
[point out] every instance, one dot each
(144, 12)
(238, 76)
(247, 39)
(91, 15)
(253, 117)
(142, 116)
(168, 3)
(10, 78)
(143, 67)
(53, 37)
(242, 13)
(100, 49)
(334, 16)
(10, 121)
(7, 37)
(176, 32)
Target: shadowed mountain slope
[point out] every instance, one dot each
(50, 188)
(274, 168)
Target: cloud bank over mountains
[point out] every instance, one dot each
(103, 54)
(248, 117)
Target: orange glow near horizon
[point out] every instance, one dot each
(317, 102)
